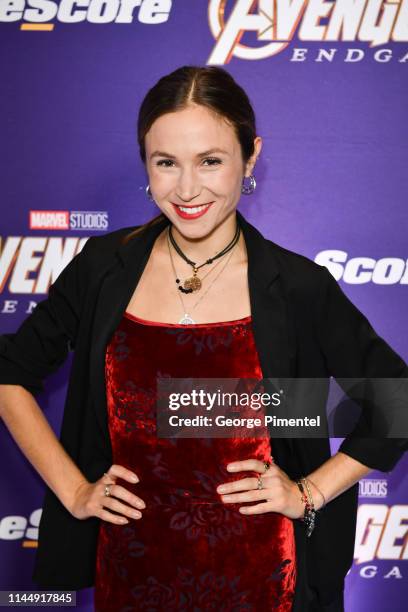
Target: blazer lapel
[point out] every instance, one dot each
(268, 305)
(271, 326)
(116, 288)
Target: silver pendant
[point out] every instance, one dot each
(186, 320)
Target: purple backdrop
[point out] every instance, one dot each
(328, 83)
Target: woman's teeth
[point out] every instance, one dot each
(192, 212)
(193, 209)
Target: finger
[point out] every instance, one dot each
(258, 508)
(115, 504)
(119, 471)
(255, 495)
(254, 465)
(108, 478)
(105, 515)
(238, 485)
(122, 493)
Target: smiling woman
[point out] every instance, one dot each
(188, 184)
(198, 144)
(198, 139)
(193, 523)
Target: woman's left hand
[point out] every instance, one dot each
(279, 492)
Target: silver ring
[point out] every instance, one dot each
(260, 483)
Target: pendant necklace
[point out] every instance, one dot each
(194, 283)
(187, 319)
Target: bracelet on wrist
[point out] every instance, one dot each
(309, 513)
(317, 488)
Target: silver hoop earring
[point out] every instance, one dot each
(149, 193)
(248, 189)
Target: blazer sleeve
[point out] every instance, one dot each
(42, 342)
(353, 349)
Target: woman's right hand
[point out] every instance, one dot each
(90, 499)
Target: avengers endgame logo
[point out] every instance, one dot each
(381, 544)
(275, 23)
(29, 264)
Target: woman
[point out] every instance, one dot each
(181, 524)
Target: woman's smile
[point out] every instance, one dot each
(191, 212)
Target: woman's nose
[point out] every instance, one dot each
(188, 187)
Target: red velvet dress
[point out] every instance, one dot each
(190, 551)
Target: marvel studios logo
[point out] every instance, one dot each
(68, 220)
(371, 487)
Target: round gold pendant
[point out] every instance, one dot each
(193, 283)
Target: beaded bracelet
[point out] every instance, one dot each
(310, 512)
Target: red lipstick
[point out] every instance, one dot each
(192, 215)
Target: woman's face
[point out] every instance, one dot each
(195, 169)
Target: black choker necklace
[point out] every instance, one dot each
(193, 283)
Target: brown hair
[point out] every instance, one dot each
(208, 86)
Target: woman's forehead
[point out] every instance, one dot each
(197, 129)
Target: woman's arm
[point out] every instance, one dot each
(37, 349)
(353, 350)
(36, 439)
(335, 476)
(30, 429)
(281, 494)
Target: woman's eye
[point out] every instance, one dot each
(214, 161)
(164, 161)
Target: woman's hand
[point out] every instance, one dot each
(279, 492)
(90, 498)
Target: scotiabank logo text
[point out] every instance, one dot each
(360, 270)
(94, 11)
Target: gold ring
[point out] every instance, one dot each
(107, 490)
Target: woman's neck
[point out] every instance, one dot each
(200, 249)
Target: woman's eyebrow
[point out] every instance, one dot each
(203, 154)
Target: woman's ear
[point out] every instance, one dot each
(250, 165)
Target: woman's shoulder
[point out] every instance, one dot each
(264, 251)
(297, 269)
(109, 241)
(100, 250)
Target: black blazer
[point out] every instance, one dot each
(304, 326)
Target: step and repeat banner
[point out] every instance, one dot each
(328, 81)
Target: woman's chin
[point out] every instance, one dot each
(193, 233)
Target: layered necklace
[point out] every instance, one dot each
(195, 283)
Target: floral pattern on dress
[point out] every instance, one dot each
(199, 514)
(192, 593)
(117, 550)
(204, 341)
(189, 592)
